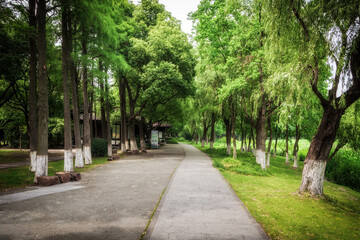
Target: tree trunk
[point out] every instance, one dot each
(242, 136)
(261, 136)
(276, 140)
(123, 132)
(79, 159)
(108, 125)
(287, 145)
(253, 141)
(68, 158)
(133, 144)
(86, 130)
(296, 146)
(92, 121)
(249, 147)
(32, 87)
(102, 105)
(205, 128)
(228, 135)
(43, 104)
(319, 150)
(141, 135)
(233, 124)
(269, 145)
(212, 133)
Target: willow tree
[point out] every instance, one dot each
(329, 39)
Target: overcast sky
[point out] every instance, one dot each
(180, 9)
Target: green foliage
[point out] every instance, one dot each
(344, 168)
(171, 141)
(271, 199)
(98, 147)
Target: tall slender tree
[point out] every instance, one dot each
(43, 104)
(32, 86)
(68, 157)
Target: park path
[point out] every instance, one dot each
(199, 204)
(113, 201)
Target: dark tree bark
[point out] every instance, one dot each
(287, 145)
(228, 134)
(43, 104)
(269, 145)
(233, 124)
(141, 135)
(242, 135)
(108, 126)
(212, 133)
(92, 121)
(86, 138)
(32, 87)
(68, 158)
(102, 105)
(296, 146)
(261, 135)
(205, 129)
(123, 132)
(249, 147)
(79, 159)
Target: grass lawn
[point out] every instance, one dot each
(270, 197)
(13, 156)
(21, 177)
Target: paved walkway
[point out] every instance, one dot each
(116, 201)
(200, 205)
(113, 201)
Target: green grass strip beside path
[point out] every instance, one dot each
(271, 198)
(21, 176)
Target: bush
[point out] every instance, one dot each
(344, 169)
(302, 154)
(99, 147)
(171, 141)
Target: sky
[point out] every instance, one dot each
(180, 9)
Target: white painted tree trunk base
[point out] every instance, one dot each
(33, 161)
(202, 143)
(143, 145)
(68, 161)
(211, 145)
(261, 158)
(287, 158)
(268, 160)
(41, 166)
(133, 145)
(295, 162)
(228, 149)
(313, 177)
(109, 149)
(79, 159)
(87, 155)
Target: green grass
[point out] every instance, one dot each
(14, 155)
(271, 198)
(21, 176)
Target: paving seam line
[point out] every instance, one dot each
(154, 216)
(252, 219)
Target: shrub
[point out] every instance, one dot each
(171, 141)
(344, 169)
(302, 154)
(99, 147)
(218, 165)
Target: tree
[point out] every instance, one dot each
(43, 107)
(315, 21)
(68, 158)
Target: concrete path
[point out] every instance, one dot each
(199, 204)
(113, 201)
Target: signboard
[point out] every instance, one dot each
(160, 135)
(154, 139)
